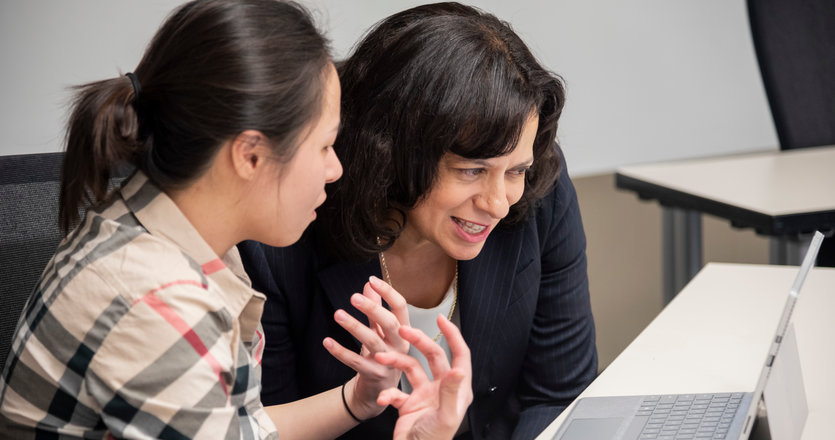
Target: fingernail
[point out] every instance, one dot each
(358, 299)
(340, 315)
(374, 280)
(328, 343)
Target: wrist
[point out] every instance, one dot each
(358, 406)
(347, 406)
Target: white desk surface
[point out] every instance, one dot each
(774, 183)
(714, 336)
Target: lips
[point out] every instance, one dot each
(470, 227)
(321, 200)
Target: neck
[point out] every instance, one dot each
(209, 212)
(420, 271)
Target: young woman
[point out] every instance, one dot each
(455, 193)
(144, 325)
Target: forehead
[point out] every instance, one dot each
(522, 151)
(332, 94)
(327, 121)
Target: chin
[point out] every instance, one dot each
(466, 253)
(284, 240)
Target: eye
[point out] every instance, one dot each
(470, 172)
(519, 171)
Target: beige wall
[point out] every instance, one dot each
(624, 253)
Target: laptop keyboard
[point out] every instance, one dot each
(689, 416)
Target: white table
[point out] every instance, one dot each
(714, 336)
(782, 194)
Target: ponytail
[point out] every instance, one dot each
(102, 132)
(214, 69)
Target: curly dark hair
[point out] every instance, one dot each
(424, 82)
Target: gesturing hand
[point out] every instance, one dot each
(380, 336)
(435, 407)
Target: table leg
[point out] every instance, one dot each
(682, 253)
(788, 250)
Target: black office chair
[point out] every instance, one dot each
(29, 231)
(795, 45)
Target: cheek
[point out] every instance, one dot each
(426, 217)
(515, 191)
(267, 196)
(457, 195)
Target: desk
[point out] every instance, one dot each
(783, 194)
(714, 337)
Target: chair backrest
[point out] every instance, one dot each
(795, 45)
(29, 231)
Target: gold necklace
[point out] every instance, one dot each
(454, 288)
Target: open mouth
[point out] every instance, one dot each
(469, 227)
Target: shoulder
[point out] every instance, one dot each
(561, 195)
(108, 267)
(255, 254)
(104, 296)
(160, 326)
(559, 207)
(163, 319)
(146, 264)
(273, 269)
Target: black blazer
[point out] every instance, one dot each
(524, 307)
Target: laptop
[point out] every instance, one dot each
(683, 416)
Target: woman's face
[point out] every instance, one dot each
(470, 197)
(300, 183)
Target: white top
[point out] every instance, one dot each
(424, 319)
(714, 337)
(773, 183)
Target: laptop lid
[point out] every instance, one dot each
(782, 326)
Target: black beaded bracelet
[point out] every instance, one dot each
(345, 402)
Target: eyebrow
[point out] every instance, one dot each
(486, 163)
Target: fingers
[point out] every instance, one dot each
(454, 398)
(393, 397)
(456, 392)
(435, 355)
(457, 347)
(381, 320)
(368, 337)
(374, 297)
(405, 363)
(372, 294)
(353, 360)
(396, 302)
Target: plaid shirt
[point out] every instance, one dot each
(137, 330)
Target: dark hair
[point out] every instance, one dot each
(214, 69)
(430, 80)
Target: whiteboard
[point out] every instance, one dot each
(647, 80)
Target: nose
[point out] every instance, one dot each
(333, 168)
(493, 199)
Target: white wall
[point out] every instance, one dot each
(647, 80)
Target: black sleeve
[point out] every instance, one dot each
(561, 360)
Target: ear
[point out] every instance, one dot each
(249, 153)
